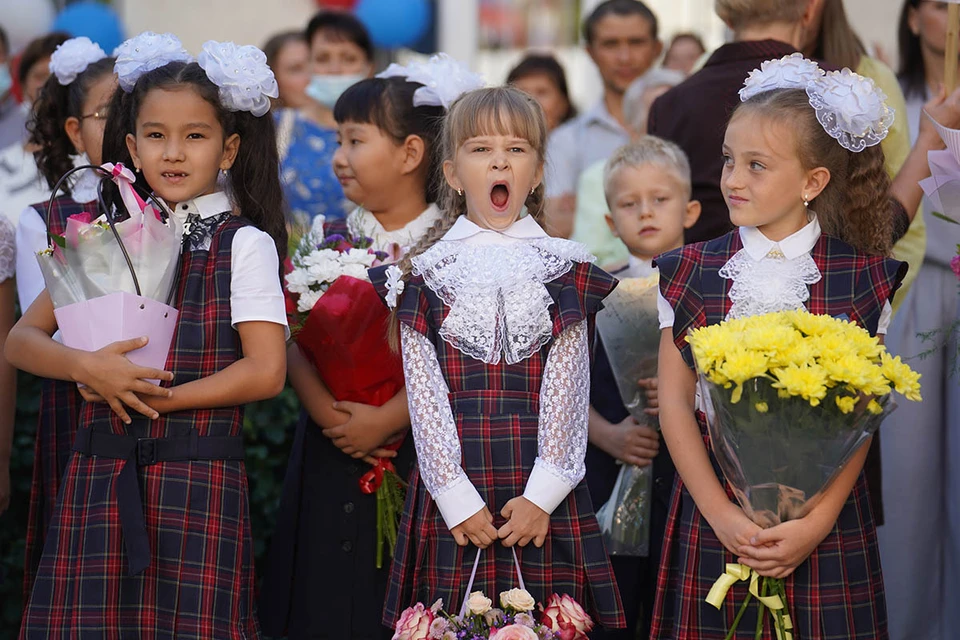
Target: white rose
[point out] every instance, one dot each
(307, 300)
(518, 600)
(479, 604)
(790, 72)
(358, 256)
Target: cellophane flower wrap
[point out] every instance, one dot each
(518, 617)
(789, 398)
(104, 288)
(630, 329)
(339, 323)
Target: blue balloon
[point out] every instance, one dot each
(94, 20)
(394, 23)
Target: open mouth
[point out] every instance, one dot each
(174, 176)
(500, 196)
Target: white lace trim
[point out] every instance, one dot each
(770, 284)
(8, 249)
(431, 418)
(499, 306)
(565, 406)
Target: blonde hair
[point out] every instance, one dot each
(744, 13)
(490, 111)
(855, 205)
(634, 110)
(648, 150)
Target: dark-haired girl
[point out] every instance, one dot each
(67, 130)
(542, 76)
(341, 54)
(151, 533)
(387, 163)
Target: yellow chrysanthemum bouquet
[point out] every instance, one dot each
(789, 398)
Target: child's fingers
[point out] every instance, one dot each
(148, 373)
(118, 409)
(142, 387)
(460, 538)
(539, 539)
(507, 510)
(131, 400)
(383, 453)
(124, 346)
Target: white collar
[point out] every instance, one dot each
(525, 228)
(363, 223)
(802, 242)
(204, 206)
(83, 188)
(639, 268)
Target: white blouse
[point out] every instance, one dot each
(363, 223)
(255, 291)
(770, 276)
(510, 267)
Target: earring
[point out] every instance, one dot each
(138, 170)
(532, 190)
(460, 192)
(806, 203)
(224, 173)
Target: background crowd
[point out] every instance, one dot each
(666, 84)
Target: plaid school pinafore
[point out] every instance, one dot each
(56, 425)
(151, 533)
(837, 593)
(496, 409)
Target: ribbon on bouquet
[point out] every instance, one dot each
(737, 573)
(371, 480)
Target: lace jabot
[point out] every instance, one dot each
(771, 276)
(499, 306)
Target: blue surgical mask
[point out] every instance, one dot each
(327, 89)
(5, 80)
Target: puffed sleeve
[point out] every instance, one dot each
(255, 291)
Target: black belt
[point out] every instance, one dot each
(143, 452)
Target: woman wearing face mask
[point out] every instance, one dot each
(341, 54)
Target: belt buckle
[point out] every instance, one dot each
(146, 451)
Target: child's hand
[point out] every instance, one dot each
(734, 528)
(361, 433)
(649, 385)
(477, 529)
(111, 376)
(776, 552)
(525, 522)
(629, 442)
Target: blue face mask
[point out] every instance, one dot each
(327, 89)
(5, 80)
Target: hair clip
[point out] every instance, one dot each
(443, 78)
(73, 57)
(245, 79)
(144, 53)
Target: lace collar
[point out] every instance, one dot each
(493, 284)
(363, 223)
(772, 276)
(83, 188)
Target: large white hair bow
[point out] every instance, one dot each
(144, 53)
(245, 80)
(443, 78)
(73, 57)
(789, 72)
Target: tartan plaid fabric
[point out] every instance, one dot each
(59, 412)
(837, 593)
(496, 409)
(200, 582)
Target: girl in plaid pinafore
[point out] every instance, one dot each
(779, 161)
(495, 319)
(74, 101)
(150, 537)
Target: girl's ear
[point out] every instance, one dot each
(817, 181)
(450, 174)
(72, 129)
(230, 150)
(132, 148)
(414, 151)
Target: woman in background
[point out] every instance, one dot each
(542, 76)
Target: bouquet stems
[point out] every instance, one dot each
(390, 496)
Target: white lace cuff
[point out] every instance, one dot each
(459, 502)
(545, 487)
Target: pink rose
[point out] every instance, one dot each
(513, 632)
(564, 614)
(414, 623)
(955, 265)
(83, 218)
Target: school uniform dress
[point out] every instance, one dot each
(837, 593)
(495, 337)
(150, 537)
(321, 579)
(59, 400)
(636, 576)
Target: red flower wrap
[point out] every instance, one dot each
(345, 338)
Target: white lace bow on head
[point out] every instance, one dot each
(499, 306)
(144, 53)
(73, 57)
(443, 78)
(850, 107)
(245, 79)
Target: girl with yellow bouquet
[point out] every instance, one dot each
(803, 179)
